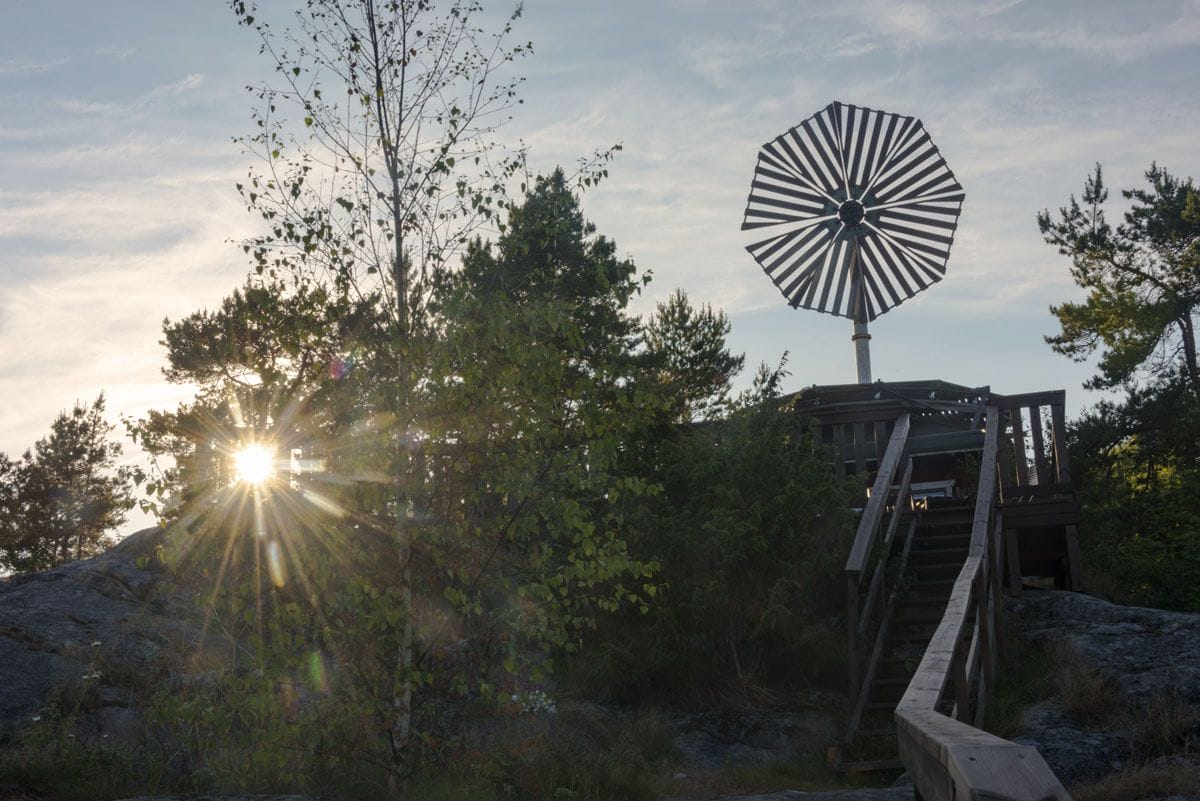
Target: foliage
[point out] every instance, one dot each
(750, 529)
(1135, 459)
(695, 367)
(60, 498)
(1135, 464)
(1165, 778)
(516, 539)
(393, 165)
(1142, 280)
(378, 165)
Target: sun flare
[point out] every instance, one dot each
(254, 463)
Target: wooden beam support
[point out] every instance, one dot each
(839, 444)
(852, 633)
(1019, 457)
(860, 450)
(1062, 461)
(1046, 398)
(1039, 445)
(1074, 559)
(1014, 561)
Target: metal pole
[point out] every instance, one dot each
(862, 351)
(860, 337)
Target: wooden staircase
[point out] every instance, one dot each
(925, 575)
(938, 548)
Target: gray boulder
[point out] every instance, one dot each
(1146, 654)
(101, 626)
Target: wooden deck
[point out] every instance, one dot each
(993, 504)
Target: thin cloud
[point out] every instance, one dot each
(17, 66)
(118, 53)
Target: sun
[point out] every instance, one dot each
(254, 463)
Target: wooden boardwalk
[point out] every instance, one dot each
(971, 493)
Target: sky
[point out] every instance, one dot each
(117, 166)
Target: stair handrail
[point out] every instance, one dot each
(870, 526)
(948, 758)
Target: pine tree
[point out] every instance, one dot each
(61, 498)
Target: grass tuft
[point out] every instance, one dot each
(1159, 779)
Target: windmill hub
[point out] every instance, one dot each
(851, 212)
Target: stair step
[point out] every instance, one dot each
(921, 637)
(936, 570)
(868, 765)
(940, 552)
(875, 733)
(916, 620)
(880, 706)
(908, 601)
(940, 533)
(933, 584)
(902, 682)
(900, 669)
(887, 693)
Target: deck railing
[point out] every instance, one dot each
(1045, 478)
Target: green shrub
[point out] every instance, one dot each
(751, 530)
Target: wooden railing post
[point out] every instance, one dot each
(997, 574)
(852, 634)
(839, 445)
(1019, 458)
(1039, 445)
(1062, 462)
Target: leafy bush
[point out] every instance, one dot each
(751, 528)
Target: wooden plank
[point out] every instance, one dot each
(881, 440)
(983, 612)
(868, 678)
(868, 524)
(1039, 445)
(1046, 398)
(1014, 561)
(877, 651)
(986, 493)
(839, 443)
(1020, 518)
(1059, 433)
(1041, 491)
(902, 501)
(1019, 456)
(981, 696)
(952, 761)
(1006, 465)
(996, 574)
(860, 449)
(960, 674)
(873, 590)
(1074, 560)
(851, 633)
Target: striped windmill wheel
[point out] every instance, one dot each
(859, 210)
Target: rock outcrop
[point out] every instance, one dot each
(1147, 657)
(100, 624)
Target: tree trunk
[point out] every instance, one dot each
(1188, 332)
